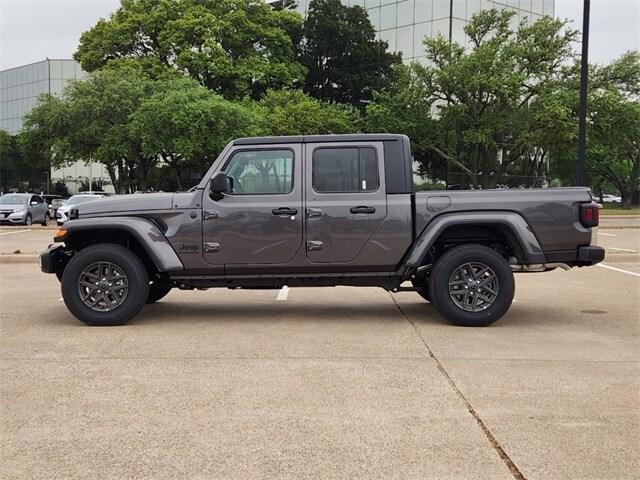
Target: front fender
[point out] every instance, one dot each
(144, 231)
(518, 226)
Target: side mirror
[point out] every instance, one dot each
(219, 185)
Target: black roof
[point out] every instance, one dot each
(358, 137)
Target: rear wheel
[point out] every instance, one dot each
(472, 285)
(157, 291)
(105, 284)
(45, 222)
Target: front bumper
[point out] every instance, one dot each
(13, 218)
(54, 259)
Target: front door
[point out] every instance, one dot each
(345, 200)
(259, 221)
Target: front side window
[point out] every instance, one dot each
(259, 172)
(343, 170)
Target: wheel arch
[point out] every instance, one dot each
(138, 234)
(478, 227)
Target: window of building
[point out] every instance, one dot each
(405, 13)
(460, 9)
(404, 41)
(342, 170)
(388, 17)
(258, 172)
(441, 9)
(423, 10)
(536, 6)
(421, 30)
(473, 7)
(389, 36)
(374, 17)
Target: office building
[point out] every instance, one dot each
(20, 88)
(404, 24)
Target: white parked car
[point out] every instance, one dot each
(606, 198)
(62, 214)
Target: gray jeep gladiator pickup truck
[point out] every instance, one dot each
(318, 211)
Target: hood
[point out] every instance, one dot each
(127, 203)
(12, 206)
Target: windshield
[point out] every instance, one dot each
(77, 199)
(15, 199)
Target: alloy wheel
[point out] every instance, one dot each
(103, 286)
(473, 287)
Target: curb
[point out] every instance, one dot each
(19, 259)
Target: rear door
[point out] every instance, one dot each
(259, 221)
(345, 199)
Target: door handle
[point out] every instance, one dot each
(362, 209)
(314, 212)
(314, 245)
(284, 211)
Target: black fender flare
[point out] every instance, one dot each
(519, 227)
(143, 230)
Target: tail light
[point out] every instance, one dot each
(589, 215)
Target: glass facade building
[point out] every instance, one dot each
(404, 24)
(20, 88)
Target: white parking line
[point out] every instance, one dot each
(15, 231)
(615, 269)
(621, 249)
(607, 234)
(283, 293)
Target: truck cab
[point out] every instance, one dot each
(319, 211)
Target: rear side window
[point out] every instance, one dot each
(344, 170)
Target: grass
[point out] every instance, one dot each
(613, 209)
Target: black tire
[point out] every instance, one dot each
(422, 289)
(45, 222)
(157, 291)
(125, 264)
(460, 270)
(28, 220)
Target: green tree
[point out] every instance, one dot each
(493, 100)
(406, 106)
(20, 168)
(187, 126)
(344, 60)
(91, 122)
(292, 112)
(613, 136)
(233, 47)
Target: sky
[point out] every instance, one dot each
(32, 30)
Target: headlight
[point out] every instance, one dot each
(18, 210)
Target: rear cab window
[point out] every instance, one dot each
(345, 170)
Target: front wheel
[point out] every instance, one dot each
(472, 285)
(105, 284)
(28, 220)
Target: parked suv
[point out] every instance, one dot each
(319, 211)
(62, 213)
(23, 209)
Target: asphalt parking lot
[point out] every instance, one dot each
(327, 383)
